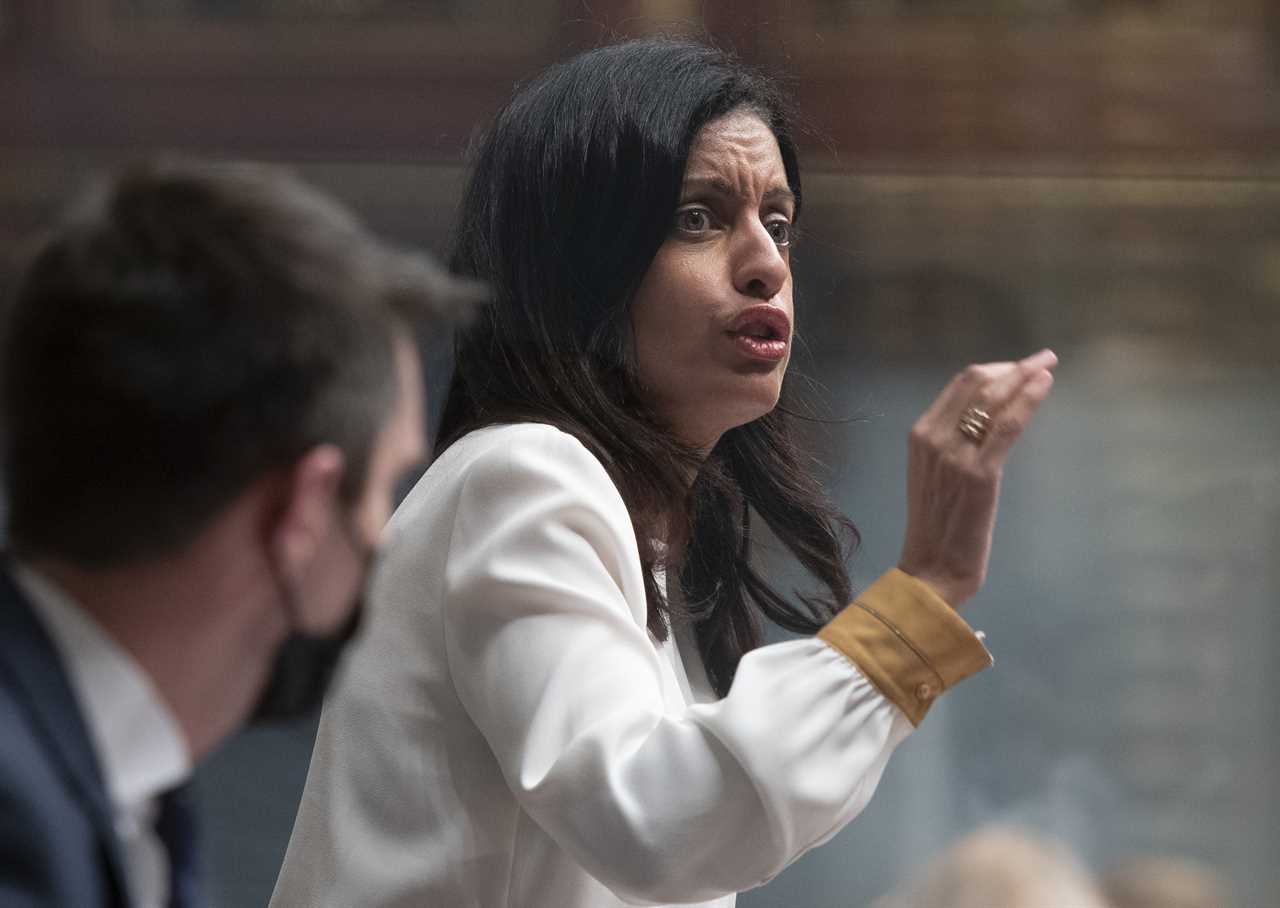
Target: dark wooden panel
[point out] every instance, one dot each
(1093, 93)
(1177, 87)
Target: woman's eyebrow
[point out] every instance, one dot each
(779, 194)
(714, 185)
(721, 187)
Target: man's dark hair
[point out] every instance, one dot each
(189, 329)
(573, 191)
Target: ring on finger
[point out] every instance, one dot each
(974, 424)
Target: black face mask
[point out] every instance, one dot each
(305, 663)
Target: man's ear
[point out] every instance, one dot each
(306, 508)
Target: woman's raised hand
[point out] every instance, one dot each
(955, 460)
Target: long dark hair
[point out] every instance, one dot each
(572, 193)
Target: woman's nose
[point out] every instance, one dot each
(760, 267)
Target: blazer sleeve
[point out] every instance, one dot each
(546, 641)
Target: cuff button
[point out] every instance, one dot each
(926, 692)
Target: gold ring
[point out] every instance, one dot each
(974, 424)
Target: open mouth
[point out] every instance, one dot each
(762, 332)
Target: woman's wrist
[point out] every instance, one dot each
(950, 592)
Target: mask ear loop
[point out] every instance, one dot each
(305, 662)
(287, 595)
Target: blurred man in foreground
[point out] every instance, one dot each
(1165, 882)
(209, 389)
(996, 867)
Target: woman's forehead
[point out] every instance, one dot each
(738, 129)
(734, 154)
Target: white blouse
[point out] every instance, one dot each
(508, 735)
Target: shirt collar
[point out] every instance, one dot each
(137, 738)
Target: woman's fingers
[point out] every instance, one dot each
(1000, 391)
(1006, 404)
(1014, 415)
(962, 390)
(988, 387)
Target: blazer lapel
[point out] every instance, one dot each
(28, 656)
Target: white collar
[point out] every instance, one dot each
(138, 742)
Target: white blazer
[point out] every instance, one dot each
(508, 735)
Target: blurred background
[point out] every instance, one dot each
(983, 177)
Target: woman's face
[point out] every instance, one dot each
(712, 318)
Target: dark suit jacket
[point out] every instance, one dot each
(57, 844)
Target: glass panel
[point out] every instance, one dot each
(1132, 601)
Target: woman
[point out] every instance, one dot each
(562, 699)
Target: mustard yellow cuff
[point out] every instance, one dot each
(908, 642)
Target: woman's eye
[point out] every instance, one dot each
(780, 230)
(693, 220)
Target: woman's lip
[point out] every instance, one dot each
(772, 317)
(770, 351)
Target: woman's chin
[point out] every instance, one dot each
(744, 411)
(701, 419)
